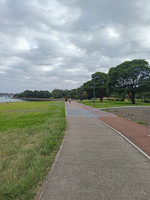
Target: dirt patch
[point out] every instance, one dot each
(137, 114)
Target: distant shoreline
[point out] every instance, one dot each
(9, 99)
(16, 99)
(37, 99)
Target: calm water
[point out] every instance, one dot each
(7, 99)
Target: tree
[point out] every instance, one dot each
(26, 93)
(72, 93)
(88, 87)
(35, 94)
(79, 92)
(84, 95)
(65, 93)
(131, 77)
(100, 84)
(56, 93)
(44, 94)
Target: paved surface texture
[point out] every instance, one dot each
(95, 162)
(136, 133)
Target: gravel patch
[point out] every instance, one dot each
(137, 114)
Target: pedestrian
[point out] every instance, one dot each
(70, 100)
(66, 100)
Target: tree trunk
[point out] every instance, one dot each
(132, 97)
(100, 96)
(133, 101)
(101, 99)
(123, 95)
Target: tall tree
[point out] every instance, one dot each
(100, 84)
(88, 87)
(131, 77)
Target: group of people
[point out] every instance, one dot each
(69, 100)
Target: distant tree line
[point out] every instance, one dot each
(130, 79)
(56, 94)
(34, 94)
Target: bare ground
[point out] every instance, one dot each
(137, 114)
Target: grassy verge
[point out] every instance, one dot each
(31, 133)
(107, 103)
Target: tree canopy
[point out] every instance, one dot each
(88, 88)
(130, 76)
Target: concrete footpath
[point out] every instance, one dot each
(95, 162)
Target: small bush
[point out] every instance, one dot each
(111, 99)
(120, 99)
(146, 101)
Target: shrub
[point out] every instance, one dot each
(146, 101)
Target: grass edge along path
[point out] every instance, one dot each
(28, 152)
(106, 103)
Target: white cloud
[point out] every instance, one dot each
(71, 81)
(46, 68)
(74, 70)
(112, 33)
(108, 34)
(72, 50)
(22, 44)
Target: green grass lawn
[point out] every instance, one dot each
(30, 137)
(107, 103)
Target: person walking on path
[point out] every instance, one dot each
(69, 100)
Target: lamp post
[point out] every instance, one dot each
(94, 89)
(80, 92)
(94, 78)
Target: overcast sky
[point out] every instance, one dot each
(48, 44)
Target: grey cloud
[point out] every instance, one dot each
(59, 44)
(102, 12)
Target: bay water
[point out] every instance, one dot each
(8, 99)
